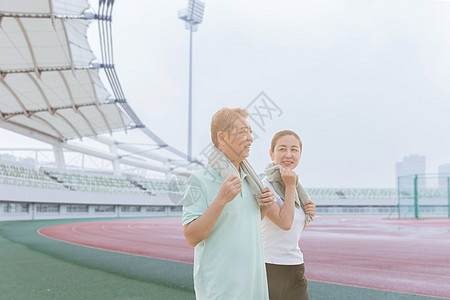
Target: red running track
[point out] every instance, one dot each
(406, 256)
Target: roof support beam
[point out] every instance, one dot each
(133, 149)
(30, 132)
(59, 157)
(98, 106)
(41, 91)
(45, 122)
(52, 16)
(3, 81)
(63, 24)
(121, 119)
(69, 92)
(104, 119)
(69, 123)
(87, 121)
(46, 16)
(10, 116)
(54, 109)
(94, 91)
(50, 69)
(126, 161)
(30, 47)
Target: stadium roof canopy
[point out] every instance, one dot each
(49, 82)
(50, 88)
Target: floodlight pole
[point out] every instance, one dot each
(192, 16)
(190, 97)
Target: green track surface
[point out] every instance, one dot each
(33, 267)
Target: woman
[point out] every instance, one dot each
(285, 221)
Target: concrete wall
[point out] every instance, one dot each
(11, 195)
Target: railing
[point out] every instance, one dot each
(20, 181)
(423, 196)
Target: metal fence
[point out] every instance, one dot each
(424, 196)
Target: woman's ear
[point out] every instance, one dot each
(272, 155)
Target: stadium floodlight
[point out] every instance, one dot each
(192, 16)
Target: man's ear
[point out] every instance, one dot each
(220, 138)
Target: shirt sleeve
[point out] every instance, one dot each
(194, 200)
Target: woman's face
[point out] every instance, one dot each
(286, 152)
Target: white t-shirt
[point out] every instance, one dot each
(281, 246)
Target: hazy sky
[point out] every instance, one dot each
(363, 83)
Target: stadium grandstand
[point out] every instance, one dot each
(94, 194)
(51, 90)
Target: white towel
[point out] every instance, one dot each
(273, 173)
(218, 161)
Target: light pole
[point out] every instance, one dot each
(192, 16)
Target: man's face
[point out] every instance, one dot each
(237, 144)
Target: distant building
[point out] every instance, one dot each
(411, 165)
(444, 172)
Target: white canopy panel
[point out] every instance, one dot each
(48, 83)
(38, 43)
(44, 7)
(25, 92)
(68, 123)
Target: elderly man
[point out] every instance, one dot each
(223, 207)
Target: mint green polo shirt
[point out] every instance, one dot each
(229, 263)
